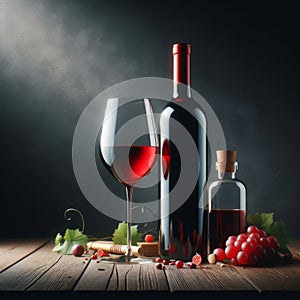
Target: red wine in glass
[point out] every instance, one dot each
(131, 163)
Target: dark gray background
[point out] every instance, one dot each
(56, 56)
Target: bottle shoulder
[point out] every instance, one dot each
(226, 182)
(184, 108)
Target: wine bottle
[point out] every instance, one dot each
(182, 222)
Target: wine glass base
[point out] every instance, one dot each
(142, 260)
(123, 259)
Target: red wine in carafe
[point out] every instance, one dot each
(225, 222)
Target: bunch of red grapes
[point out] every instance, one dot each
(252, 248)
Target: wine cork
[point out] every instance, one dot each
(110, 247)
(226, 160)
(142, 249)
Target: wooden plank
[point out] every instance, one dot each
(132, 278)
(152, 279)
(139, 277)
(12, 251)
(186, 280)
(226, 278)
(206, 278)
(63, 275)
(26, 272)
(294, 247)
(125, 277)
(280, 278)
(96, 277)
(114, 280)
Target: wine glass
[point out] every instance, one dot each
(129, 149)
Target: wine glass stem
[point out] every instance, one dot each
(129, 192)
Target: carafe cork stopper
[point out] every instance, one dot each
(226, 161)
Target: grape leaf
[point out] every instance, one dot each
(58, 239)
(120, 234)
(262, 221)
(72, 237)
(278, 229)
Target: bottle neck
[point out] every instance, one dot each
(226, 175)
(226, 170)
(181, 75)
(181, 91)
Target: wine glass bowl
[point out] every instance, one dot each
(128, 148)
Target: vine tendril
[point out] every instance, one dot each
(81, 216)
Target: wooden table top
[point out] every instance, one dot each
(30, 267)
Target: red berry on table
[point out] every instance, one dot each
(252, 259)
(252, 229)
(191, 265)
(77, 250)
(229, 242)
(247, 247)
(234, 262)
(149, 238)
(102, 253)
(265, 243)
(254, 241)
(264, 254)
(197, 259)
(94, 256)
(270, 251)
(232, 237)
(274, 243)
(238, 244)
(242, 258)
(231, 251)
(172, 262)
(254, 235)
(165, 262)
(262, 233)
(242, 237)
(179, 264)
(159, 260)
(158, 266)
(219, 253)
(258, 250)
